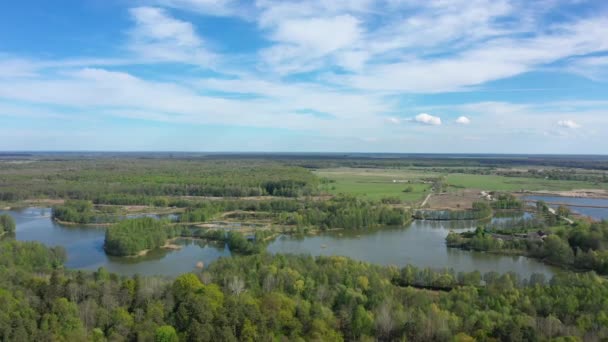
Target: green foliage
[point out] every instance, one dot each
(7, 224)
(77, 211)
(129, 181)
(480, 210)
(287, 297)
(584, 246)
(348, 213)
(166, 333)
(132, 236)
(30, 256)
(507, 201)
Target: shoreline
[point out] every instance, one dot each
(580, 193)
(168, 246)
(91, 225)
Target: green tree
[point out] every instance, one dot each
(7, 224)
(166, 333)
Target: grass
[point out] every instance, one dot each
(376, 184)
(501, 183)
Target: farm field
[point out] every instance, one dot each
(502, 183)
(376, 184)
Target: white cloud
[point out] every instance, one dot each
(159, 37)
(568, 124)
(463, 120)
(321, 35)
(208, 7)
(393, 120)
(365, 58)
(428, 119)
(302, 43)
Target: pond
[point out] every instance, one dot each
(421, 244)
(579, 205)
(84, 247)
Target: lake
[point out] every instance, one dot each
(573, 202)
(84, 247)
(421, 244)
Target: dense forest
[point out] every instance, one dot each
(339, 212)
(140, 181)
(348, 213)
(284, 297)
(583, 245)
(129, 237)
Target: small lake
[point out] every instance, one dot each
(84, 247)
(573, 204)
(422, 244)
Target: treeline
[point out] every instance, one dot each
(583, 246)
(139, 181)
(506, 201)
(346, 212)
(7, 224)
(84, 212)
(595, 172)
(236, 241)
(480, 210)
(129, 237)
(285, 297)
(340, 212)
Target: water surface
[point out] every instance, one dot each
(573, 202)
(84, 247)
(422, 244)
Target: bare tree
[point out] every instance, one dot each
(385, 322)
(236, 285)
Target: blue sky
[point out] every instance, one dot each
(462, 76)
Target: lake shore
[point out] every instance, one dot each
(578, 193)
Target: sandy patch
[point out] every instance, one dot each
(584, 193)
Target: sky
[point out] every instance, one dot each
(447, 76)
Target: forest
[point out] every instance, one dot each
(140, 181)
(582, 246)
(286, 297)
(130, 237)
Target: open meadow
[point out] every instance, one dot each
(375, 184)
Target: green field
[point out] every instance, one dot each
(375, 183)
(378, 183)
(501, 183)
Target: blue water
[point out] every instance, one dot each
(421, 244)
(594, 213)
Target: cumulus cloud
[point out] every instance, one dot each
(568, 124)
(428, 119)
(463, 120)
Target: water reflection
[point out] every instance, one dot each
(422, 244)
(573, 204)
